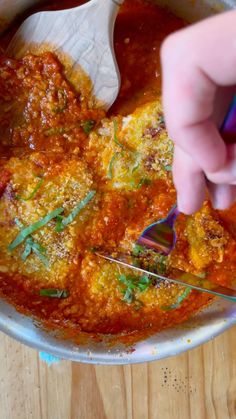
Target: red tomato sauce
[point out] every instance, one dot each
(44, 124)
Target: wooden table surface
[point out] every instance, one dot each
(200, 384)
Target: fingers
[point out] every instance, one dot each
(188, 99)
(227, 175)
(209, 45)
(203, 142)
(197, 61)
(222, 196)
(189, 182)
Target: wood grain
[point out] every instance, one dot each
(200, 384)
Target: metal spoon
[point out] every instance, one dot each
(160, 236)
(85, 34)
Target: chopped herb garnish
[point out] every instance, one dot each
(115, 134)
(110, 166)
(27, 251)
(202, 275)
(128, 280)
(135, 167)
(32, 246)
(168, 168)
(161, 264)
(27, 231)
(161, 120)
(40, 252)
(138, 249)
(88, 126)
(33, 193)
(180, 299)
(54, 293)
(128, 296)
(62, 102)
(59, 220)
(133, 283)
(144, 283)
(18, 223)
(55, 131)
(149, 260)
(143, 181)
(62, 223)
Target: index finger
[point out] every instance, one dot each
(188, 98)
(195, 61)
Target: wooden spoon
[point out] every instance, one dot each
(84, 33)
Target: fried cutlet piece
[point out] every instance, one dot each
(63, 185)
(207, 238)
(130, 151)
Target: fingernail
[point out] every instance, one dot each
(186, 207)
(222, 197)
(181, 205)
(216, 204)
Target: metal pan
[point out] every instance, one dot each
(205, 325)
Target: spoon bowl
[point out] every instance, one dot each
(84, 34)
(160, 236)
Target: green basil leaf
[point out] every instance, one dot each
(180, 299)
(115, 125)
(27, 231)
(33, 193)
(54, 293)
(67, 220)
(88, 126)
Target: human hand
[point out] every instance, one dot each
(199, 70)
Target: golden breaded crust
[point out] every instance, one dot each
(63, 185)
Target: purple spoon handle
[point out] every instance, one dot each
(173, 214)
(228, 128)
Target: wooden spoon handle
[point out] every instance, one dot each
(98, 11)
(118, 2)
